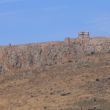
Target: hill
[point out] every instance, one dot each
(70, 75)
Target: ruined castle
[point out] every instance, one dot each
(90, 44)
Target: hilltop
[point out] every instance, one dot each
(40, 55)
(73, 74)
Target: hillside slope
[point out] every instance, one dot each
(81, 86)
(70, 75)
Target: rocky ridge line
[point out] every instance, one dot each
(39, 55)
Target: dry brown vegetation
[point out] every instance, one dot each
(83, 85)
(70, 75)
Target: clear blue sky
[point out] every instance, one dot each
(24, 21)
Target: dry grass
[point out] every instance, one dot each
(69, 86)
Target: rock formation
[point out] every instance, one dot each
(30, 56)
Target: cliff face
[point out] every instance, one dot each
(39, 55)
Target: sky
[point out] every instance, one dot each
(27, 21)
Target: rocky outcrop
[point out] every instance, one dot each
(37, 55)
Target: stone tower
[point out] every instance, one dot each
(84, 38)
(83, 34)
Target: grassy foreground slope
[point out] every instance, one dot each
(82, 85)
